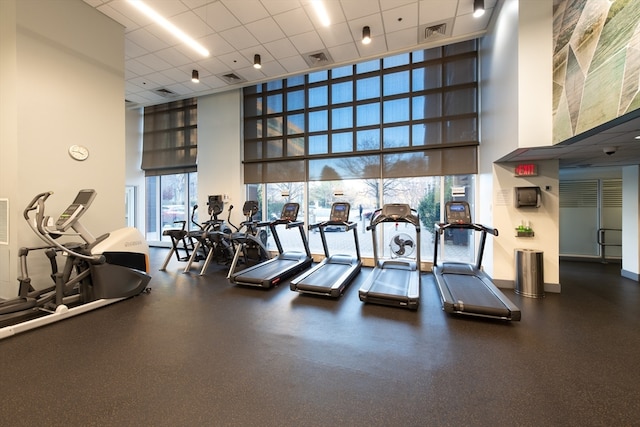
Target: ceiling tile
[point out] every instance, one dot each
(400, 18)
(191, 24)
(293, 22)
(246, 10)
(168, 9)
(144, 38)
(358, 9)
(345, 53)
(436, 10)
(282, 48)
(275, 7)
(307, 42)
(217, 16)
(265, 30)
(398, 39)
(239, 38)
(336, 35)
(293, 64)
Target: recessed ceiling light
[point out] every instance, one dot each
(638, 137)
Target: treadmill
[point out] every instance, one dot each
(465, 288)
(335, 272)
(271, 272)
(395, 281)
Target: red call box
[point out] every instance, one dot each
(526, 169)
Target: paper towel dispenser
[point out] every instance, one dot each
(528, 197)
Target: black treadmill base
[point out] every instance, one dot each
(410, 304)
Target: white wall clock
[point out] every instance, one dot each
(79, 152)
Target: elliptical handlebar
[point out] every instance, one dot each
(39, 227)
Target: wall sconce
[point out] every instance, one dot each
(195, 77)
(478, 8)
(366, 35)
(257, 63)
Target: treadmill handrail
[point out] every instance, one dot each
(378, 218)
(467, 226)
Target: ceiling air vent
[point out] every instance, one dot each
(232, 78)
(164, 92)
(434, 31)
(318, 59)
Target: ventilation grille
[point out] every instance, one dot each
(164, 92)
(318, 59)
(434, 31)
(4, 221)
(231, 78)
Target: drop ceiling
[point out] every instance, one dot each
(289, 38)
(286, 34)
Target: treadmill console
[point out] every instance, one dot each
(250, 208)
(396, 211)
(457, 212)
(339, 212)
(216, 205)
(290, 212)
(75, 210)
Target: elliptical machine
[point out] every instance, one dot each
(250, 244)
(97, 271)
(212, 238)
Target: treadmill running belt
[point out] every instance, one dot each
(391, 282)
(267, 270)
(470, 294)
(324, 278)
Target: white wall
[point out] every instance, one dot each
(516, 113)
(8, 144)
(133, 160)
(67, 88)
(220, 151)
(631, 222)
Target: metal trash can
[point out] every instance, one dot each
(529, 273)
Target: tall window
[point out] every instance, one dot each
(413, 114)
(169, 161)
(397, 129)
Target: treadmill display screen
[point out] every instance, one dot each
(289, 212)
(340, 212)
(396, 210)
(457, 213)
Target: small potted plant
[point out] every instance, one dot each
(524, 231)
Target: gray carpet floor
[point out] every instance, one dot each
(198, 351)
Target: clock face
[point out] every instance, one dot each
(79, 152)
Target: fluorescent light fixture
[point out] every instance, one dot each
(177, 32)
(478, 8)
(366, 35)
(321, 11)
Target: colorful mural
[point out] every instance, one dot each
(596, 75)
